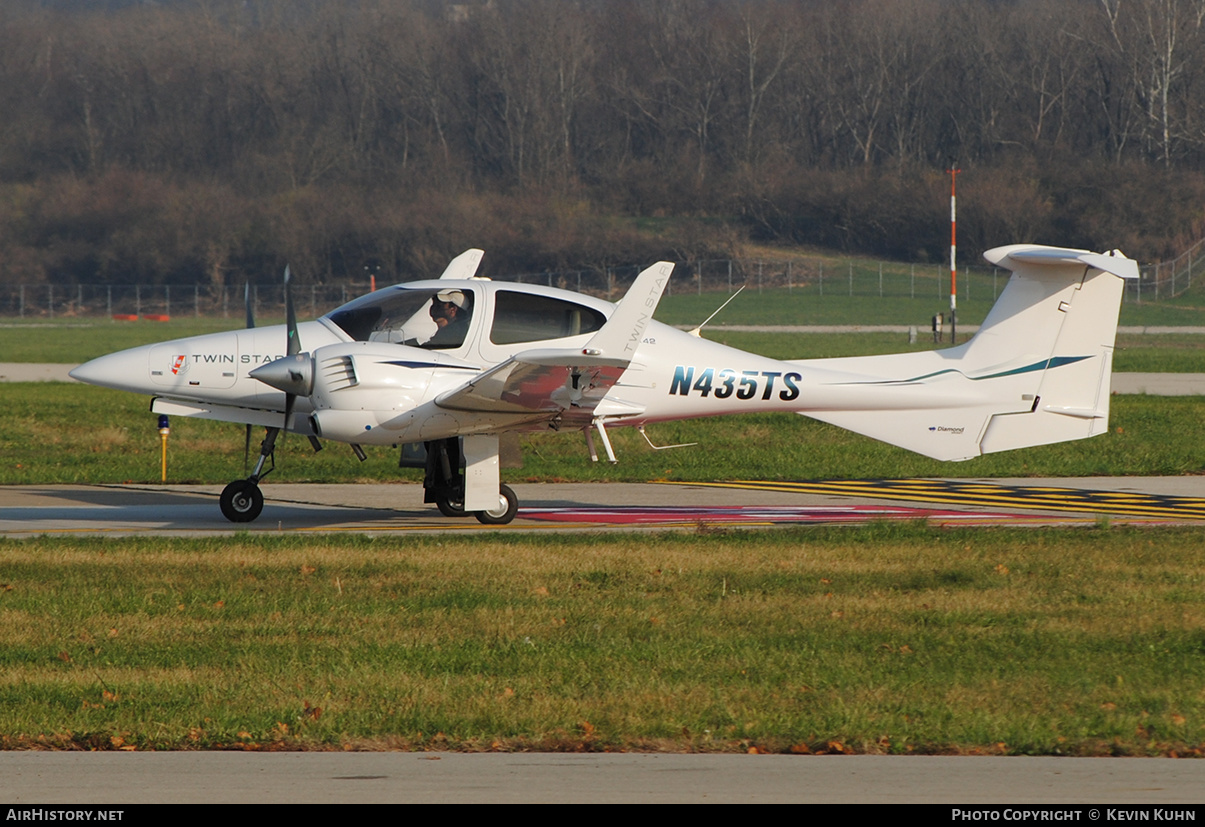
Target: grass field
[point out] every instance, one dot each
(76, 342)
(1144, 353)
(71, 433)
(888, 639)
(62, 433)
(780, 307)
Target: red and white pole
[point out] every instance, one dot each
(953, 260)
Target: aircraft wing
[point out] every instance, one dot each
(567, 381)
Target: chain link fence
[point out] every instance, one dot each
(813, 276)
(1169, 279)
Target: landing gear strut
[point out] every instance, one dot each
(444, 485)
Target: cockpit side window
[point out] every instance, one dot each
(406, 316)
(524, 317)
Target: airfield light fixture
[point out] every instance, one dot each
(164, 430)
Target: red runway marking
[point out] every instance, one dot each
(737, 514)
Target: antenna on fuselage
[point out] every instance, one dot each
(698, 331)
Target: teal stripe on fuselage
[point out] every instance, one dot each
(1052, 362)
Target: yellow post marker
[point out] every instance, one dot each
(164, 430)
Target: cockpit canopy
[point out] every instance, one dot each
(407, 315)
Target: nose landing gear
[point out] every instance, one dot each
(241, 500)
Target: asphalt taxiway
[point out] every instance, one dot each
(192, 510)
(41, 778)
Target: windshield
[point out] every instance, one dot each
(423, 318)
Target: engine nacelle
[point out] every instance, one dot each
(368, 392)
(361, 427)
(362, 376)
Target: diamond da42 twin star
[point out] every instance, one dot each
(454, 362)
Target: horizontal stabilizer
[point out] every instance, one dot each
(1014, 254)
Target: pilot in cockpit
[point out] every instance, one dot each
(451, 311)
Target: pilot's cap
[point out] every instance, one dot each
(455, 297)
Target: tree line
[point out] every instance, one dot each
(214, 139)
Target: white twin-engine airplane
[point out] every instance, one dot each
(454, 362)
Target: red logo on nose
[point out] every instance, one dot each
(179, 363)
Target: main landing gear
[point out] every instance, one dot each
(444, 485)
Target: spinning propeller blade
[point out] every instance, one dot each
(292, 340)
(247, 305)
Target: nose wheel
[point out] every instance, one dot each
(241, 501)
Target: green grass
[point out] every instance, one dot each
(76, 342)
(1144, 353)
(72, 341)
(780, 307)
(806, 307)
(905, 301)
(887, 639)
(1167, 353)
(60, 433)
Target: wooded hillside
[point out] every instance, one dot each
(214, 139)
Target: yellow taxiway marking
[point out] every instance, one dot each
(953, 492)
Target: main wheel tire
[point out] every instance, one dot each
(450, 508)
(508, 507)
(241, 501)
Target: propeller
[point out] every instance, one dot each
(294, 372)
(247, 305)
(292, 341)
(250, 310)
